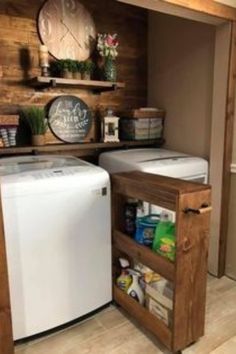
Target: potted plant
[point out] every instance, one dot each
(55, 68)
(36, 120)
(67, 66)
(77, 70)
(86, 69)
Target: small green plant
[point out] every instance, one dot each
(67, 64)
(87, 67)
(55, 68)
(36, 120)
(78, 66)
(73, 66)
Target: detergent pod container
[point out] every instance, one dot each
(145, 229)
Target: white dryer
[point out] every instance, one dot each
(156, 161)
(56, 214)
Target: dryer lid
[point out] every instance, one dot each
(142, 155)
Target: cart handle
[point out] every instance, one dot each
(202, 210)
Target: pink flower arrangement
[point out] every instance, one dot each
(107, 45)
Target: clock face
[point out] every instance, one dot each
(67, 29)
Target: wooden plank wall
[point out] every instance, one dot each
(19, 44)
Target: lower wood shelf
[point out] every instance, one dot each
(145, 318)
(144, 255)
(81, 149)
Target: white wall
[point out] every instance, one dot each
(182, 69)
(181, 57)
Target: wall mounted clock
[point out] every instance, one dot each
(67, 29)
(70, 119)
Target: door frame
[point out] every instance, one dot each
(228, 149)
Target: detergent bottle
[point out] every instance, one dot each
(135, 290)
(164, 239)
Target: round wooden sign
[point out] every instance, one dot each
(70, 119)
(67, 29)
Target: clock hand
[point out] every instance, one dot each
(64, 35)
(71, 33)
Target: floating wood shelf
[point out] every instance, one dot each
(98, 86)
(82, 149)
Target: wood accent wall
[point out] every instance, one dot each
(19, 44)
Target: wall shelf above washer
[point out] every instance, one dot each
(80, 149)
(42, 82)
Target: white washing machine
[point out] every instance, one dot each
(56, 214)
(156, 161)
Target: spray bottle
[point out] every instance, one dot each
(124, 280)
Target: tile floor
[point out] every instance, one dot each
(113, 332)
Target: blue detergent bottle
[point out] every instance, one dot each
(145, 229)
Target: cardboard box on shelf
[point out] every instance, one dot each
(159, 310)
(159, 299)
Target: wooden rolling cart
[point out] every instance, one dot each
(191, 202)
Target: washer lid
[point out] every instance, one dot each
(16, 165)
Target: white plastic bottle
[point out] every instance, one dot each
(135, 290)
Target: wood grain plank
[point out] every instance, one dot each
(40, 81)
(207, 7)
(192, 234)
(228, 147)
(65, 148)
(19, 56)
(157, 189)
(9, 119)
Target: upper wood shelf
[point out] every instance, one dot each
(99, 86)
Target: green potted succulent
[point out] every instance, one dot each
(87, 68)
(77, 70)
(35, 118)
(55, 68)
(67, 67)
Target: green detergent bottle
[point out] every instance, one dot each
(164, 238)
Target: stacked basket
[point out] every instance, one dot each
(142, 124)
